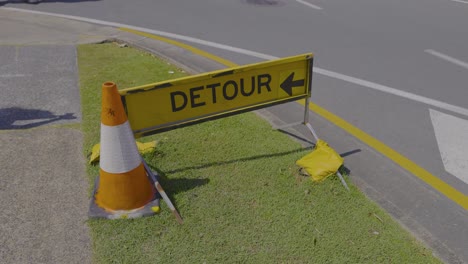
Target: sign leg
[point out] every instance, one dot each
(164, 195)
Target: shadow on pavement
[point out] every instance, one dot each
(20, 118)
(348, 153)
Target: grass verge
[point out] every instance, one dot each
(235, 183)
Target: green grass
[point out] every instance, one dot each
(238, 189)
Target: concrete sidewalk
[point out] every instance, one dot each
(43, 185)
(44, 188)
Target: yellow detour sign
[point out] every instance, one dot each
(163, 106)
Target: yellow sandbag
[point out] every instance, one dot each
(322, 162)
(146, 147)
(143, 148)
(95, 151)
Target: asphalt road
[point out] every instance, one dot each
(389, 43)
(398, 68)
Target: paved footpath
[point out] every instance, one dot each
(43, 183)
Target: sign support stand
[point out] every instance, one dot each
(337, 172)
(314, 134)
(309, 126)
(163, 193)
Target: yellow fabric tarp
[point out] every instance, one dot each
(142, 147)
(322, 162)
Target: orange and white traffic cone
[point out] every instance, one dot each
(123, 188)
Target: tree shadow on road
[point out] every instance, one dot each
(43, 1)
(20, 118)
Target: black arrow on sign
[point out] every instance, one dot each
(288, 84)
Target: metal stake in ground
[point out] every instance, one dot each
(163, 194)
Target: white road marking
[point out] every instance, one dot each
(452, 138)
(448, 58)
(14, 75)
(460, 1)
(339, 76)
(309, 4)
(389, 90)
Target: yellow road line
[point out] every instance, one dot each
(182, 45)
(444, 188)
